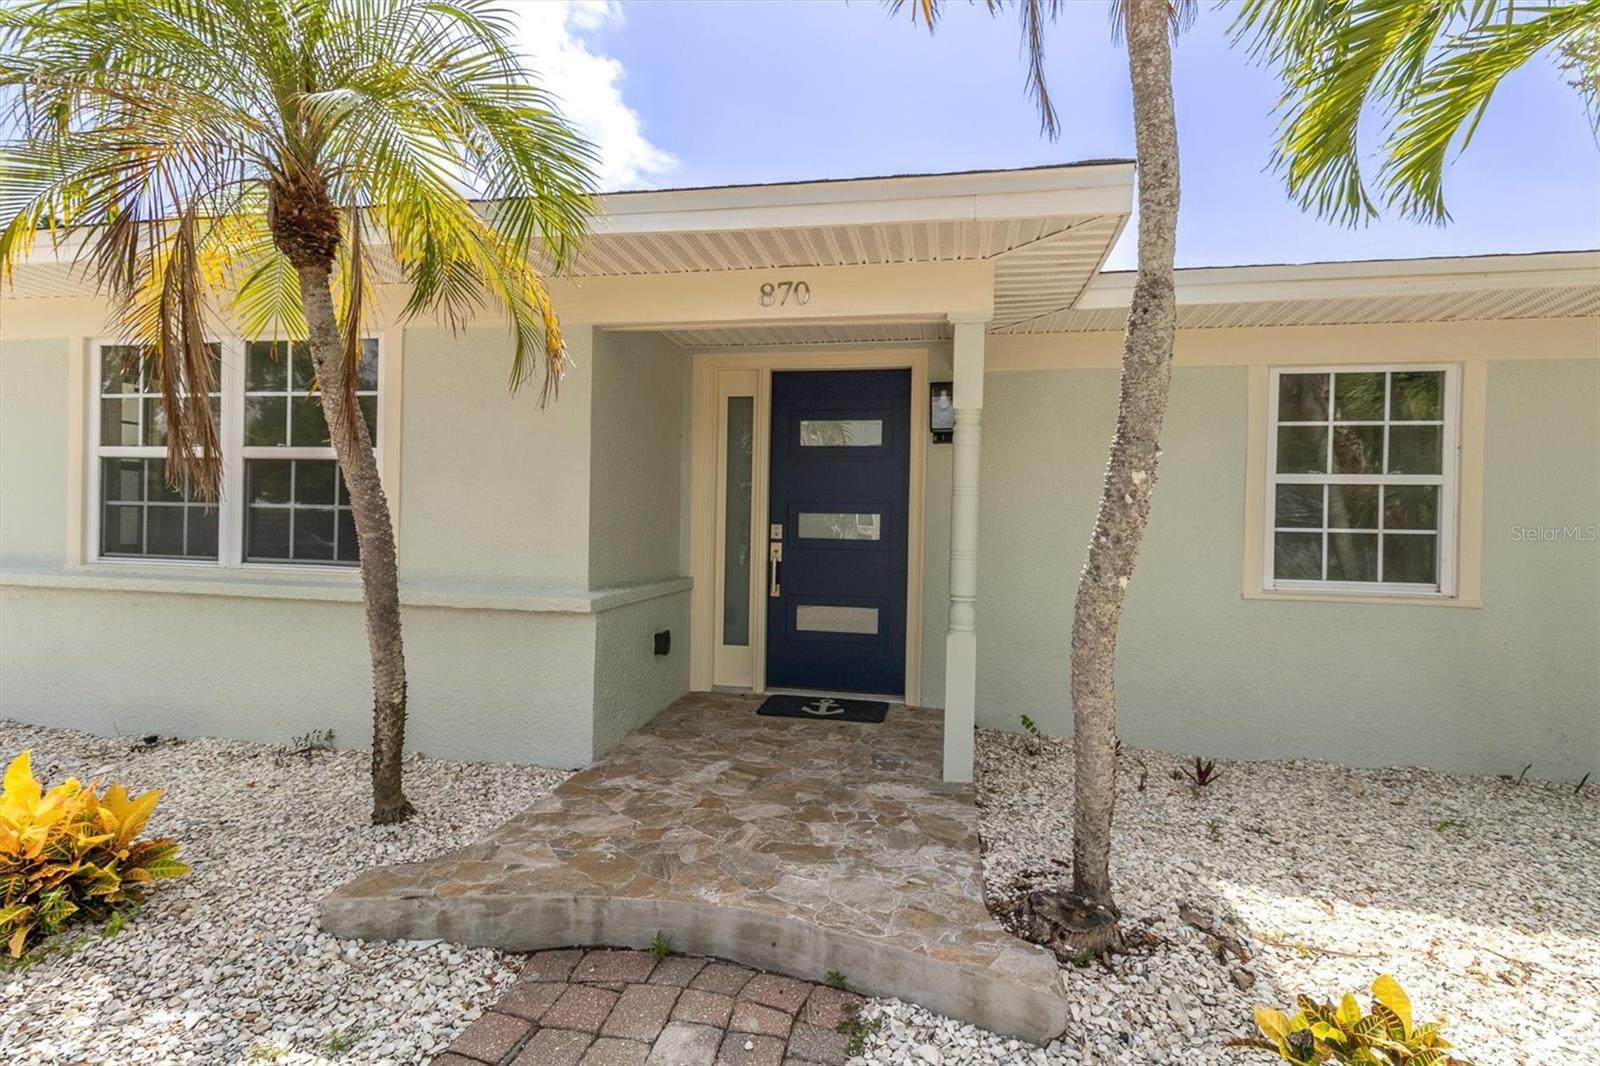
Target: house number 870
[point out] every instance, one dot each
(785, 292)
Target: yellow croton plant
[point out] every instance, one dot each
(68, 854)
(1385, 1035)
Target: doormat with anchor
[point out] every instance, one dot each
(824, 707)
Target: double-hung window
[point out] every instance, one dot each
(1361, 493)
(282, 498)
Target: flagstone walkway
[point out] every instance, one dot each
(627, 1008)
(798, 846)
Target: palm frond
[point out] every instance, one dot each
(1422, 71)
(165, 313)
(1452, 93)
(160, 131)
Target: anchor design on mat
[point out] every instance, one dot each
(823, 707)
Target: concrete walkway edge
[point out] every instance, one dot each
(1033, 1010)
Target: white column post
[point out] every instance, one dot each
(961, 643)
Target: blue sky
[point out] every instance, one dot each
(693, 92)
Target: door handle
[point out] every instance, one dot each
(774, 557)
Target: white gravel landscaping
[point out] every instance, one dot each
(1481, 896)
(226, 964)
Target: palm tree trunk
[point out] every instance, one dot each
(380, 572)
(1130, 473)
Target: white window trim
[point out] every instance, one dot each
(230, 510)
(1448, 480)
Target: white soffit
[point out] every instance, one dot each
(810, 333)
(1467, 288)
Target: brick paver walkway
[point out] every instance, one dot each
(578, 1007)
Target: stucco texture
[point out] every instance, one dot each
(1202, 669)
(636, 472)
(631, 682)
(493, 487)
(482, 685)
(33, 452)
(637, 486)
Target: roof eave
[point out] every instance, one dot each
(1097, 189)
(1346, 280)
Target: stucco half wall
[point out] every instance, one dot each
(1204, 669)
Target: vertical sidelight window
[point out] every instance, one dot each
(737, 549)
(1362, 479)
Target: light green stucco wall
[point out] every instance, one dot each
(631, 682)
(1203, 670)
(638, 486)
(482, 685)
(636, 473)
(493, 488)
(33, 452)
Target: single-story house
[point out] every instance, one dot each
(847, 436)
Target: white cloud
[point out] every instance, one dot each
(552, 34)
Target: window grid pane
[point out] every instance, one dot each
(131, 413)
(297, 511)
(283, 402)
(142, 516)
(1358, 477)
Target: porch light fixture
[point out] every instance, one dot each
(942, 415)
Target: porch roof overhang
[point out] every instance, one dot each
(898, 254)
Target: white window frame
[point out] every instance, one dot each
(230, 500)
(1448, 480)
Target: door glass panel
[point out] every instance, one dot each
(841, 432)
(820, 618)
(838, 525)
(736, 539)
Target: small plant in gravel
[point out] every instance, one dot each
(1198, 772)
(69, 855)
(856, 1030)
(119, 919)
(312, 742)
(338, 1041)
(1034, 741)
(1144, 770)
(264, 1052)
(1323, 1033)
(661, 946)
(1519, 778)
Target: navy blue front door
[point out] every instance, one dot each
(836, 599)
